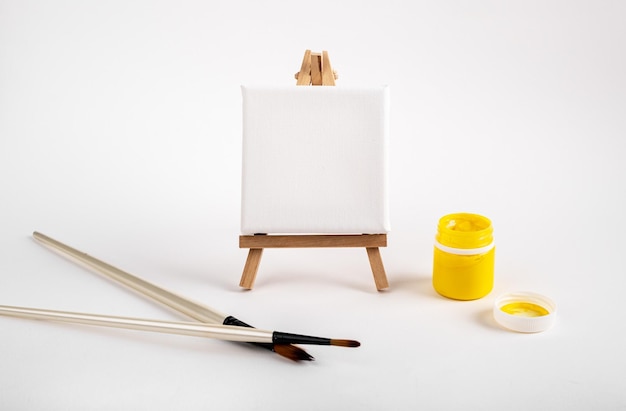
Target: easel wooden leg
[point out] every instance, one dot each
(251, 268)
(256, 243)
(378, 269)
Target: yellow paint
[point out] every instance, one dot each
(464, 230)
(524, 309)
(467, 224)
(463, 277)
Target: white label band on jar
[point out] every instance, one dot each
(464, 251)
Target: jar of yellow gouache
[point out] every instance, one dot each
(463, 263)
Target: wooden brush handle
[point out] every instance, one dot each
(190, 308)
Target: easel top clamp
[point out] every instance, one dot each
(314, 71)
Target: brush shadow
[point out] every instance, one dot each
(205, 346)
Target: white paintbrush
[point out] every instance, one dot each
(221, 332)
(183, 305)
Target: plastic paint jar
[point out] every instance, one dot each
(464, 257)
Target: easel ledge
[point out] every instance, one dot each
(256, 244)
(313, 241)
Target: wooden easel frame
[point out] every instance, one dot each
(315, 70)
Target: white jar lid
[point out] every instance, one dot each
(525, 312)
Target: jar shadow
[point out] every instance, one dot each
(420, 284)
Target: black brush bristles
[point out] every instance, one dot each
(288, 351)
(292, 352)
(288, 338)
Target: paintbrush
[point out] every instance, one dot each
(183, 305)
(221, 332)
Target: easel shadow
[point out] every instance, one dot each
(282, 278)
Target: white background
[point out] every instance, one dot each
(120, 134)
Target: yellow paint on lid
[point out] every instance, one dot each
(524, 312)
(524, 309)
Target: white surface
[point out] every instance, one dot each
(315, 160)
(120, 134)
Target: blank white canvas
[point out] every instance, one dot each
(315, 160)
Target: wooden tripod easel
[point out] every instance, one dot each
(315, 70)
